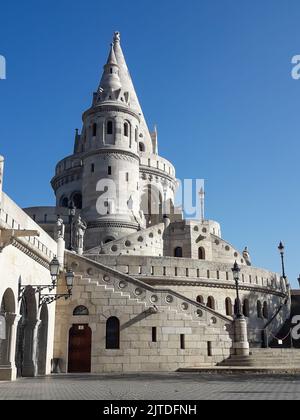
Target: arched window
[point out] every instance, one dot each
(77, 200)
(109, 127)
(113, 333)
(141, 147)
(246, 310)
(178, 252)
(94, 130)
(210, 302)
(265, 311)
(259, 309)
(136, 134)
(64, 202)
(228, 306)
(80, 311)
(201, 253)
(200, 299)
(126, 129)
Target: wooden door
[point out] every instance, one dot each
(80, 343)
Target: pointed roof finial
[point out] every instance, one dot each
(112, 56)
(117, 37)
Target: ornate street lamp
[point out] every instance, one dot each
(54, 267)
(72, 213)
(49, 298)
(69, 281)
(236, 275)
(281, 251)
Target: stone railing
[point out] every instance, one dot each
(154, 298)
(185, 269)
(13, 217)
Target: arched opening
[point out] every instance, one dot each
(178, 252)
(81, 311)
(64, 202)
(228, 306)
(80, 347)
(151, 204)
(77, 200)
(7, 316)
(246, 309)
(201, 253)
(265, 310)
(141, 147)
(259, 309)
(109, 127)
(200, 299)
(94, 130)
(211, 302)
(26, 345)
(42, 341)
(112, 333)
(126, 129)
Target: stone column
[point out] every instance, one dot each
(118, 131)
(30, 367)
(241, 344)
(61, 251)
(8, 369)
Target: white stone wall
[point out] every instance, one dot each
(117, 296)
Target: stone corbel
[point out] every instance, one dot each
(7, 236)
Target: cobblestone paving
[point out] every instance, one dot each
(170, 386)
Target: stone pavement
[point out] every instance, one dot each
(167, 386)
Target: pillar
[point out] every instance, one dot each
(30, 367)
(8, 369)
(61, 251)
(241, 344)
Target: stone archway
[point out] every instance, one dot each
(27, 331)
(152, 204)
(7, 319)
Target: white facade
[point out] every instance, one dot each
(153, 291)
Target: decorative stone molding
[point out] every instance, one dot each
(100, 108)
(112, 224)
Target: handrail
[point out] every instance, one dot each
(150, 288)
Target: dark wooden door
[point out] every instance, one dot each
(80, 343)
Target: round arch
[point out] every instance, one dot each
(7, 311)
(151, 204)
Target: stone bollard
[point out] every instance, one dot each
(241, 344)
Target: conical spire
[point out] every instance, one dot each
(112, 56)
(127, 85)
(110, 81)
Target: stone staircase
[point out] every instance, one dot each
(269, 358)
(155, 299)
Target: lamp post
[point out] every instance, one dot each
(281, 251)
(236, 275)
(69, 281)
(72, 213)
(299, 280)
(54, 270)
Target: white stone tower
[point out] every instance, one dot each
(115, 160)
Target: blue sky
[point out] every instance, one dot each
(214, 75)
